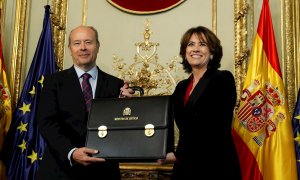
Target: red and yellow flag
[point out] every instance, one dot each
(262, 129)
(5, 106)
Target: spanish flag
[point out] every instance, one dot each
(5, 107)
(262, 128)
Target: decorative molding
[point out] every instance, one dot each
(146, 71)
(59, 10)
(145, 171)
(290, 46)
(84, 11)
(17, 69)
(214, 16)
(241, 51)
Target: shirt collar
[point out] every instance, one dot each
(93, 72)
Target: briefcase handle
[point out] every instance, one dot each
(138, 88)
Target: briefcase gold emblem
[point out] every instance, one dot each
(127, 111)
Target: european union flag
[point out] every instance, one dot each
(24, 146)
(296, 130)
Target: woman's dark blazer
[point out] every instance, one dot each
(205, 143)
(62, 119)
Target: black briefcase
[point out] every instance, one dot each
(130, 129)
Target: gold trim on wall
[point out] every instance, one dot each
(290, 49)
(84, 11)
(59, 10)
(17, 69)
(214, 16)
(297, 38)
(241, 51)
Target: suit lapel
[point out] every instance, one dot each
(100, 84)
(198, 90)
(200, 87)
(75, 86)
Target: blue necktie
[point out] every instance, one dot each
(87, 90)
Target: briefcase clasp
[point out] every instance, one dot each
(149, 130)
(102, 131)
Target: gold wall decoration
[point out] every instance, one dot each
(84, 12)
(214, 16)
(290, 47)
(241, 51)
(145, 71)
(17, 70)
(58, 18)
(156, 79)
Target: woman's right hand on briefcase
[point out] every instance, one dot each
(170, 158)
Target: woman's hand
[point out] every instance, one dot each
(170, 158)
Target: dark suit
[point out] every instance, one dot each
(205, 147)
(62, 119)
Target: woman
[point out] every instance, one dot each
(203, 106)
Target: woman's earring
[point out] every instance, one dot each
(211, 57)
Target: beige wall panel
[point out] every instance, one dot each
(34, 29)
(225, 28)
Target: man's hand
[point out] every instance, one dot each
(126, 91)
(84, 157)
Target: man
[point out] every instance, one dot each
(62, 113)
